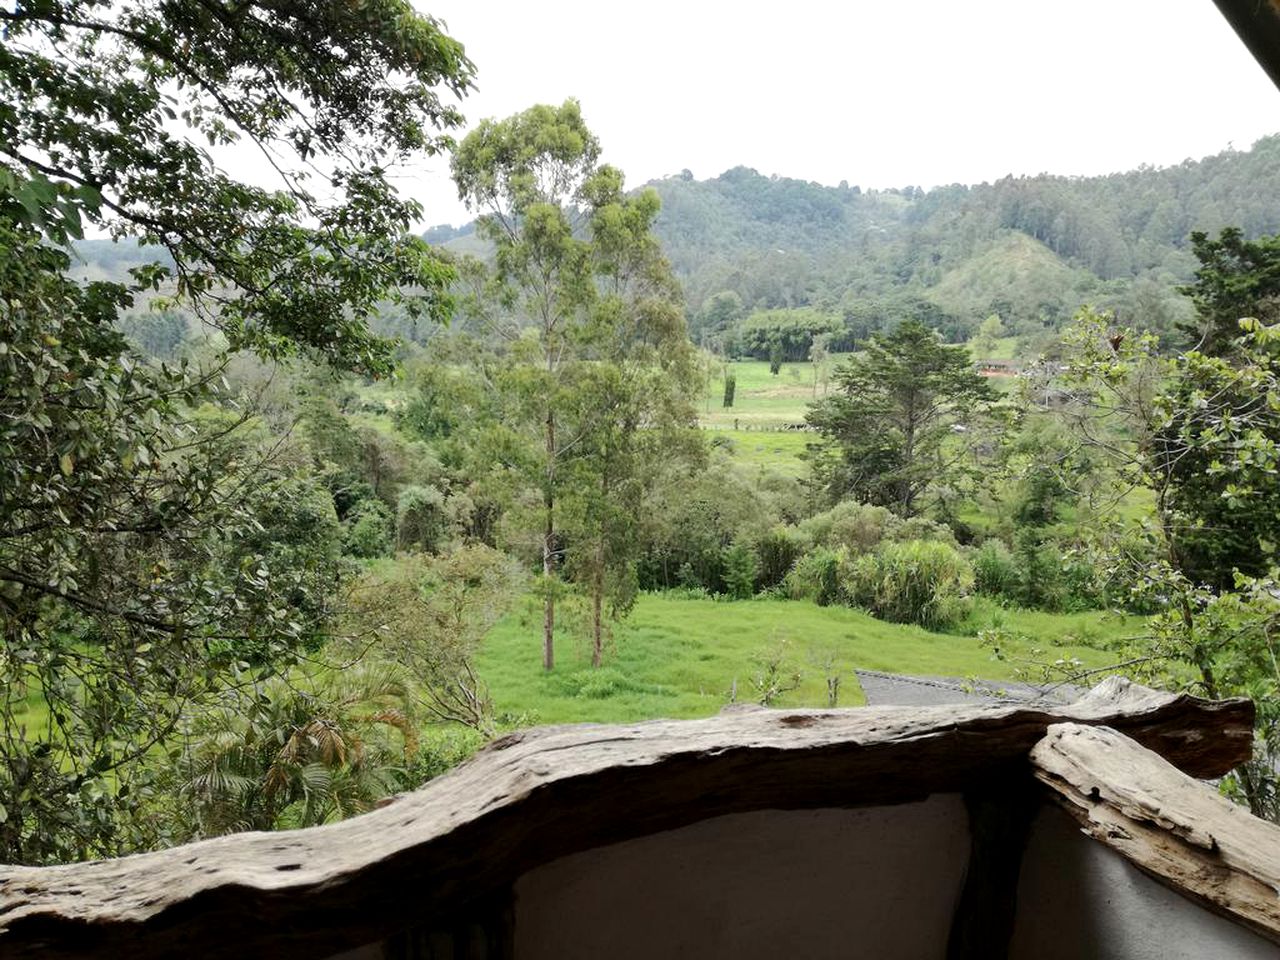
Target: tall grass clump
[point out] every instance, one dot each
(995, 571)
(917, 581)
(816, 576)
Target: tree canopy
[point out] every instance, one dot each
(1200, 433)
(1237, 278)
(155, 544)
(886, 425)
(597, 372)
(106, 110)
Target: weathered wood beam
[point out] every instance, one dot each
(1257, 23)
(485, 932)
(1000, 815)
(537, 795)
(1174, 828)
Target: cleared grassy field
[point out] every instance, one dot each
(776, 450)
(764, 406)
(760, 397)
(680, 657)
(1006, 348)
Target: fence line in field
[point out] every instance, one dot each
(761, 426)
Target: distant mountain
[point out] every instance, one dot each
(105, 259)
(1029, 248)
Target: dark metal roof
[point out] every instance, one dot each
(900, 690)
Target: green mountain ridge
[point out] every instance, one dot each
(1029, 248)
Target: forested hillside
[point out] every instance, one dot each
(1028, 248)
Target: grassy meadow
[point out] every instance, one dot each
(760, 399)
(678, 656)
(754, 429)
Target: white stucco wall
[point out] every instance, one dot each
(877, 882)
(1077, 898)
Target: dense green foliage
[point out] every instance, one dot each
(1030, 249)
(279, 755)
(597, 372)
(245, 586)
(892, 426)
(782, 335)
(1199, 432)
(157, 546)
(1236, 278)
(304, 83)
(913, 582)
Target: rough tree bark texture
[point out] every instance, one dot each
(1165, 823)
(537, 795)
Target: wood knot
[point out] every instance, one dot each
(508, 740)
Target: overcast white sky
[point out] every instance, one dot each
(879, 93)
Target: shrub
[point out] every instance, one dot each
(688, 593)
(862, 527)
(687, 578)
(815, 577)
(722, 441)
(688, 521)
(775, 675)
(922, 528)
(995, 572)
(367, 531)
(858, 527)
(1040, 567)
(739, 572)
(1041, 497)
(1053, 578)
(1081, 589)
(421, 521)
(440, 751)
(776, 553)
(916, 581)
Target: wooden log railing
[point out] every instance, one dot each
(1167, 824)
(434, 855)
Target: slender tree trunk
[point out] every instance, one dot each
(597, 603)
(908, 460)
(548, 605)
(908, 481)
(549, 551)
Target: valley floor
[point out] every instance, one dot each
(682, 656)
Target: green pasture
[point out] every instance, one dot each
(680, 656)
(1006, 348)
(754, 429)
(776, 450)
(761, 399)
